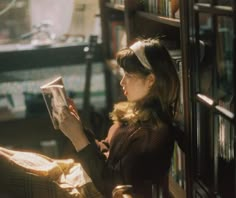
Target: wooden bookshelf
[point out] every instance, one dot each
(208, 34)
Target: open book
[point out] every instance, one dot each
(55, 97)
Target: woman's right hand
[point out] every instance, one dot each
(71, 126)
(72, 106)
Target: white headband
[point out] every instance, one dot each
(138, 49)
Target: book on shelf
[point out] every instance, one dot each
(118, 2)
(55, 98)
(177, 170)
(180, 73)
(166, 8)
(177, 58)
(118, 36)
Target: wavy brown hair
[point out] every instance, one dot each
(163, 97)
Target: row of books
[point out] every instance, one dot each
(225, 52)
(118, 2)
(177, 170)
(176, 56)
(166, 8)
(226, 133)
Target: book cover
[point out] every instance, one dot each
(54, 95)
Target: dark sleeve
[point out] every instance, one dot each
(94, 161)
(136, 158)
(102, 145)
(148, 155)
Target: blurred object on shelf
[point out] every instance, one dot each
(41, 35)
(85, 21)
(14, 20)
(97, 27)
(77, 22)
(5, 107)
(174, 7)
(34, 104)
(11, 106)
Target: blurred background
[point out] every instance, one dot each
(40, 40)
(61, 18)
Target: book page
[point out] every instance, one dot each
(55, 98)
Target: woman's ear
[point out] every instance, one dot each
(151, 80)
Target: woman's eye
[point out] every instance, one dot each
(127, 75)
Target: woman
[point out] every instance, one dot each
(139, 145)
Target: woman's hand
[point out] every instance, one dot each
(70, 124)
(72, 105)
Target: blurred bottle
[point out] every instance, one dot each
(123, 191)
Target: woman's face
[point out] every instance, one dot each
(136, 87)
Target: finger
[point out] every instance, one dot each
(71, 102)
(72, 107)
(73, 110)
(75, 115)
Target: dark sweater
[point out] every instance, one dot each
(138, 155)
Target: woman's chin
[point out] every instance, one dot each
(130, 99)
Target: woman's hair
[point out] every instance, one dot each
(164, 94)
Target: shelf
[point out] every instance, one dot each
(218, 9)
(160, 19)
(55, 55)
(205, 99)
(118, 7)
(211, 113)
(210, 104)
(225, 112)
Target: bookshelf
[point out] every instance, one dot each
(158, 20)
(209, 51)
